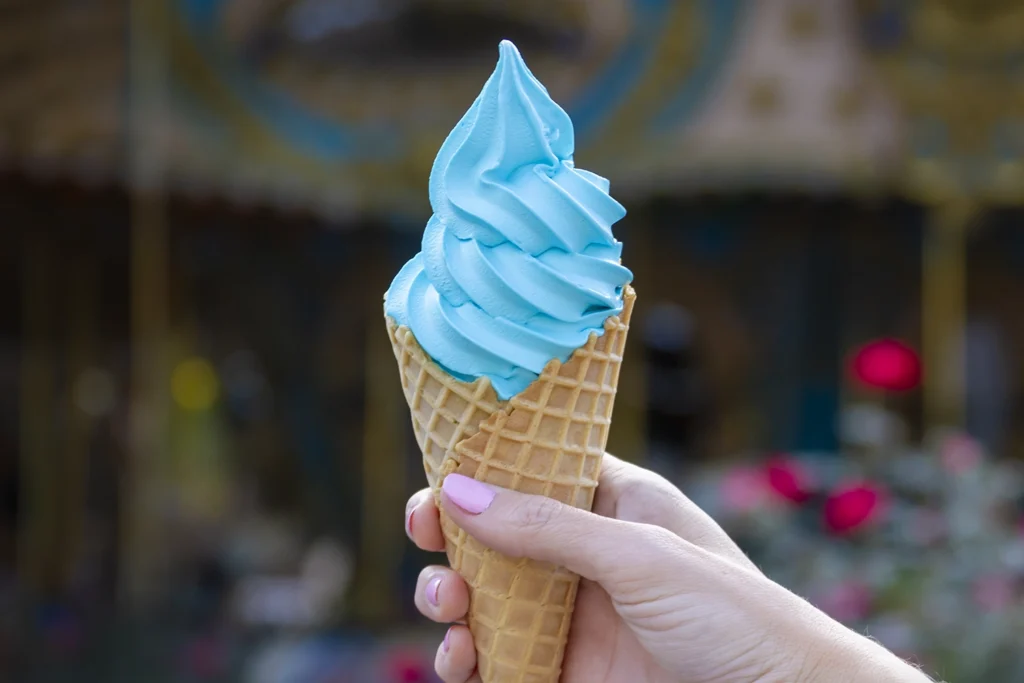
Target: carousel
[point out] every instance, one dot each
(161, 160)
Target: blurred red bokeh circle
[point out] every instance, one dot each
(887, 364)
(788, 478)
(408, 667)
(853, 506)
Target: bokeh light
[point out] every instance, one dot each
(94, 392)
(194, 384)
(887, 364)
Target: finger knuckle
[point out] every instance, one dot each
(539, 513)
(659, 485)
(536, 515)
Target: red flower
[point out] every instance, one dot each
(851, 507)
(788, 479)
(887, 364)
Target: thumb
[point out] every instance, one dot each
(540, 528)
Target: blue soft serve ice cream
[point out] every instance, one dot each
(518, 264)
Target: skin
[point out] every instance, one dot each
(666, 595)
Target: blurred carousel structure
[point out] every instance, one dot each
(335, 108)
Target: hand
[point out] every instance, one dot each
(666, 595)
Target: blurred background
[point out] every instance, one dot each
(204, 449)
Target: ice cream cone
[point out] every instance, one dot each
(549, 440)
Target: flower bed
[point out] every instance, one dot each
(921, 549)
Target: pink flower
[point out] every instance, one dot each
(788, 479)
(853, 506)
(960, 453)
(927, 526)
(847, 602)
(993, 592)
(743, 489)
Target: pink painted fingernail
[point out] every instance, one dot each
(469, 494)
(433, 587)
(408, 521)
(446, 645)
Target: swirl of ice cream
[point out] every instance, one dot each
(518, 263)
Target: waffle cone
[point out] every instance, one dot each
(548, 440)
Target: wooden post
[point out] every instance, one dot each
(141, 492)
(384, 480)
(82, 302)
(944, 315)
(37, 445)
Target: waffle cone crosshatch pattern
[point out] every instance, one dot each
(547, 440)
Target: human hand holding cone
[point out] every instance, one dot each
(508, 328)
(547, 440)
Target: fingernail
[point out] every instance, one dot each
(433, 587)
(446, 644)
(408, 522)
(469, 494)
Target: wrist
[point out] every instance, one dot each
(844, 656)
(806, 645)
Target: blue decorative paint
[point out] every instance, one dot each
(331, 140)
(722, 19)
(595, 104)
(316, 135)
